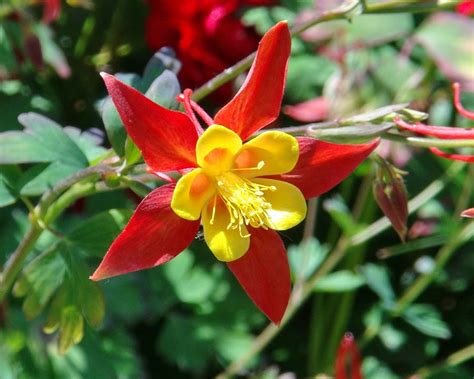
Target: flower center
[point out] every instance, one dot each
(244, 200)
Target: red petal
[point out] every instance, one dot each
(153, 236)
(322, 165)
(258, 102)
(166, 138)
(264, 273)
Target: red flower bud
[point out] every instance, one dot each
(348, 364)
(391, 196)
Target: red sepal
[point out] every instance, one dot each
(264, 273)
(166, 138)
(453, 157)
(443, 132)
(258, 101)
(323, 165)
(153, 236)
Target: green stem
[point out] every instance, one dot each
(442, 258)
(15, 262)
(423, 281)
(454, 359)
(45, 213)
(243, 65)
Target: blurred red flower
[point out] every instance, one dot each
(206, 34)
(465, 7)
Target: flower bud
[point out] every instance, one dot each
(348, 364)
(391, 196)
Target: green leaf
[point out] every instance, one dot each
(132, 153)
(380, 28)
(306, 75)
(71, 328)
(42, 141)
(88, 141)
(372, 368)
(306, 257)
(43, 176)
(186, 343)
(39, 280)
(426, 319)
(341, 214)
(94, 235)
(164, 90)
(7, 56)
(88, 296)
(444, 36)
(232, 344)
(164, 59)
(377, 278)
(192, 284)
(339, 281)
(8, 177)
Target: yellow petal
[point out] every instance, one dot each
(216, 149)
(226, 244)
(277, 150)
(191, 194)
(288, 204)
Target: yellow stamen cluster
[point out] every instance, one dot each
(244, 200)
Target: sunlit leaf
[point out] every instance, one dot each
(339, 281)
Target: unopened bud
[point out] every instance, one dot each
(348, 362)
(391, 196)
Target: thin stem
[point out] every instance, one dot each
(46, 212)
(244, 64)
(15, 262)
(454, 359)
(423, 281)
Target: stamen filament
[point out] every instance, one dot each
(245, 202)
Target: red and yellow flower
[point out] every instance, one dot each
(240, 190)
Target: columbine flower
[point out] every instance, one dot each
(445, 132)
(239, 192)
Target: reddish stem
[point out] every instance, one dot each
(457, 102)
(443, 132)
(454, 157)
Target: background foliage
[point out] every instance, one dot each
(190, 318)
